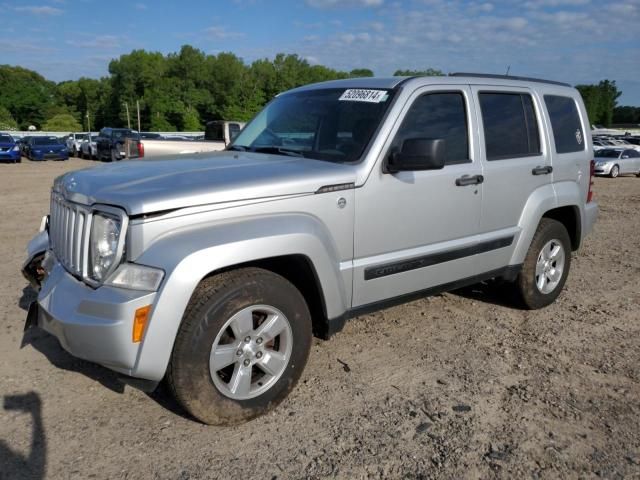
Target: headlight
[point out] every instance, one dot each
(16, 148)
(136, 277)
(103, 247)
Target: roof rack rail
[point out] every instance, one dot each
(507, 77)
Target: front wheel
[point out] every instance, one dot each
(615, 171)
(546, 265)
(241, 348)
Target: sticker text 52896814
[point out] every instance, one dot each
(362, 95)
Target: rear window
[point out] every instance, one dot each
(510, 125)
(565, 122)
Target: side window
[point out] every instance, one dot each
(510, 125)
(565, 121)
(438, 115)
(234, 130)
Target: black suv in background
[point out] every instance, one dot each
(114, 144)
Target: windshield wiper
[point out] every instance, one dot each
(237, 148)
(280, 150)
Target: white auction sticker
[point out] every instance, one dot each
(361, 95)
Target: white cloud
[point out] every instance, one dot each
(43, 10)
(221, 33)
(344, 3)
(140, 6)
(100, 41)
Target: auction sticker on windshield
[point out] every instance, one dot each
(361, 95)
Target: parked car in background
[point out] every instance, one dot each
(46, 148)
(115, 144)
(9, 149)
(22, 143)
(88, 148)
(218, 135)
(150, 136)
(74, 143)
(222, 131)
(617, 161)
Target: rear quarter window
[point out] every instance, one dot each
(565, 122)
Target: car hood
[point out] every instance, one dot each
(55, 147)
(146, 186)
(7, 144)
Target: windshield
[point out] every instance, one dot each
(609, 153)
(6, 139)
(81, 136)
(330, 124)
(46, 141)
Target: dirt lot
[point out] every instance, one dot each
(462, 385)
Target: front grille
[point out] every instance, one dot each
(69, 233)
(4, 149)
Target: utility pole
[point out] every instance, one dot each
(126, 105)
(88, 124)
(138, 107)
(508, 68)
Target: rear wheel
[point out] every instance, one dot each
(241, 348)
(546, 265)
(615, 171)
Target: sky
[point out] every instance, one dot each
(575, 41)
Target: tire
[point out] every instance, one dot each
(615, 171)
(540, 283)
(209, 322)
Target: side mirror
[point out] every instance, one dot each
(418, 154)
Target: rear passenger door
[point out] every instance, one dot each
(516, 163)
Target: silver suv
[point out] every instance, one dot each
(338, 198)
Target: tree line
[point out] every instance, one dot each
(182, 91)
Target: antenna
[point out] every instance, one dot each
(508, 68)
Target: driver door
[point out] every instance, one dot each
(419, 229)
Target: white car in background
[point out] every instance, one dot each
(74, 143)
(617, 161)
(88, 148)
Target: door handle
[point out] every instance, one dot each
(465, 180)
(547, 169)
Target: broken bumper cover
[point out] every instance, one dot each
(92, 324)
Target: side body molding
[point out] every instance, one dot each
(190, 254)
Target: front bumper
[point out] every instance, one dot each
(50, 156)
(10, 156)
(603, 169)
(92, 324)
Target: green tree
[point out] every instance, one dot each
(429, 72)
(361, 72)
(26, 94)
(63, 122)
(7, 122)
(600, 101)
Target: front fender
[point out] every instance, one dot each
(190, 254)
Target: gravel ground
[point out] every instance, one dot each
(461, 385)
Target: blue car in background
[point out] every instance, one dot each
(9, 149)
(46, 148)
